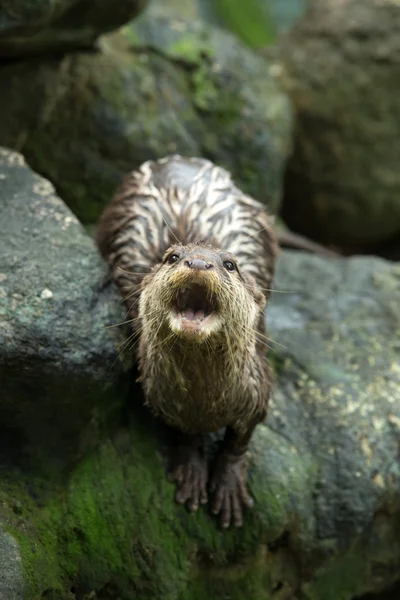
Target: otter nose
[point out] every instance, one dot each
(198, 263)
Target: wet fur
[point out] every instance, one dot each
(222, 381)
(200, 387)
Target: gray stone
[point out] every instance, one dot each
(54, 303)
(342, 71)
(337, 406)
(11, 574)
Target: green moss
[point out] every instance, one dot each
(249, 21)
(238, 584)
(205, 93)
(106, 529)
(35, 531)
(192, 49)
(115, 524)
(350, 575)
(114, 527)
(343, 581)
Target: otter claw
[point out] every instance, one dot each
(230, 492)
(191, 479)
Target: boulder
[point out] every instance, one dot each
(54, 302)
(324, 468)
(44, 26)
(152, 90)
(342, 71)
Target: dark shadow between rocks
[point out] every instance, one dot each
(392, 593)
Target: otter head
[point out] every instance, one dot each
(199, 293)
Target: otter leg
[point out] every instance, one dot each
(188, 468)
(228, 482)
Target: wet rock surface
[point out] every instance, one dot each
(342, 71)
(28, 27)
(324, 468)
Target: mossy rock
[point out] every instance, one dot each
(44, 26)
(90, 118)
(102, 524)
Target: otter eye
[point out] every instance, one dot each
(173, 258)
(229, 266)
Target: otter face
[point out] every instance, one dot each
(198, 292)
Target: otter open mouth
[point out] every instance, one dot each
(194, 309)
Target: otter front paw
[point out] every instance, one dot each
(189, 471)
(230, 492)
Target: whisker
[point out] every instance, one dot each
(134, 272)
(278, 291)
(169, 229)
(271, 340)
(258, 333)
(132, 293)
(124, 344)
(119, 324)
(120, 352)
(273, 290)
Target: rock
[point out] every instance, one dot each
(47, 25)
(59, 366)
(342, 71)
(337, 405)
(150, 91)
(324, 468)
(11, 575)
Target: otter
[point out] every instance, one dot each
(194, 258)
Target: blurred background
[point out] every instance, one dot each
(298, 99)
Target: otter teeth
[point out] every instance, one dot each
(190, 315)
